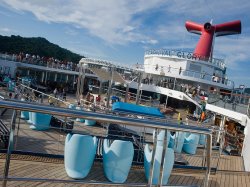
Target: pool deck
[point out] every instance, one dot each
(230, 169)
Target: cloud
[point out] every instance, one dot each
(234, 49)
(109, 20)
(6, 31)
(70, 31)
(150, 41)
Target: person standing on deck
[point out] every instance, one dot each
(55, 92)
(180, 70)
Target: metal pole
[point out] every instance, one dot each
(174, 83)
(82, 80)
(10, 148)
(74, 80)
(110, 86)
(248, 107)
(138, 89)
(55, 77)
(150, 180)
(78, 85)
(42, 78)
(166, 101)
(164, 151)
(222, 123)
(46, 77)
(209, 152)
(100, 88)
(126, 94)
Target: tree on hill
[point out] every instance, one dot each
(37, 46)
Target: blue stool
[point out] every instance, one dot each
(177, 141)
(24, 114)
(30, 118)
(72, 106)
(203, 139)
(40, 121)
(168, 164)
(117, 160)
(79, 119)
(79, 155)
(11, 86)
(89, 122)
(191, 143)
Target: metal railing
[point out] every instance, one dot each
(180, 73)
(105, 118)
(38, 62)
(185, 55)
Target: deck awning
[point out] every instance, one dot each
(137, 109)
(106, 75)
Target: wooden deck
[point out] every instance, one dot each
(230, 169)
(52, 169)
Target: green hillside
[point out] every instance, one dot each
(38, 46)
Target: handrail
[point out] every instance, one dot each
(185, 72)
(64, 102)
(184, 55)
(33, 107)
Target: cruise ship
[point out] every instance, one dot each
(79, 145)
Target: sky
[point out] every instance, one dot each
(122, 30)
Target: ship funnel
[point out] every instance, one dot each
(207, 26)
(208, 32)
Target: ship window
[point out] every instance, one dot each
(194, 67)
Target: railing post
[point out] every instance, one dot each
(100, 88)
(150, 180)
(138, 88)
(126, 94)
(222, 123)
(164, 150)
(248, 107)
(174, 83)
(10, 148)
(209, 153)
(110, 86)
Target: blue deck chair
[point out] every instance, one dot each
(79, 155)
(40, 121)
(89, 122)
(24, 114)
(191, 143)
(79, 119)
(117, 160)
(177, 141)
(169, 160)
(203, 139)
(30, 118)
(72, 106)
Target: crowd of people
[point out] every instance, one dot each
(50, 62)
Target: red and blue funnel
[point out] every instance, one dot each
(208, 31)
